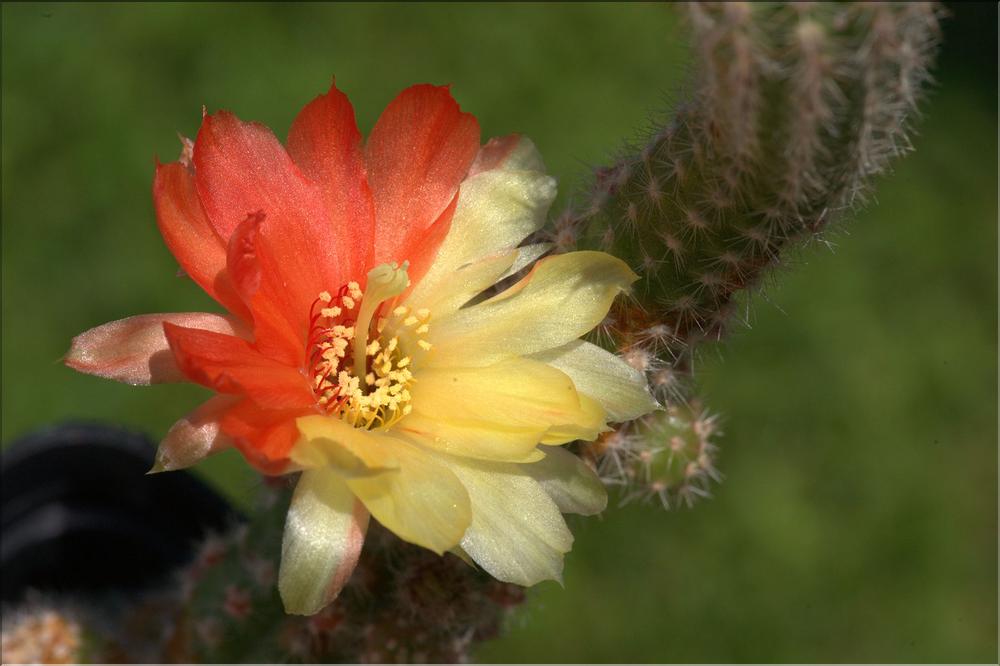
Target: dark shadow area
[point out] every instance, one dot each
(80, 516)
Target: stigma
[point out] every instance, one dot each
(358, 344)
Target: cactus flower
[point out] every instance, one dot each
(358, 347)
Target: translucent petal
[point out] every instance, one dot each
(324, 532)
(621, 389)
(517, 533)
(569, 481)
(527, 255)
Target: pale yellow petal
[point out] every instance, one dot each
(516, 392)
(496, 210)
(471, 280)
(324, 531)
(570, 482)
(527, 255)
(329, 441)
(475, 439)
(463, 284)
(422, 502)
(621, 389)
(590, 422)
(563, 297)
(517, 533)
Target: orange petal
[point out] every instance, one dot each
(417, 155)
(190, 237)
(264, 436)
(242, 169)
(325, 143)
(278, 333)
(423, 252)
(135, 350)
(231, 365)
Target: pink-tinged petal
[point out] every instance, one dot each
(231, 365)
(324, 531)
(265, 437)
(241, 169)
(417, 156)
(494, 153)
(189, 236)
(135, 350)
(325, 143)
(195, 436)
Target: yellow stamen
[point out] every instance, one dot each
(365, 382)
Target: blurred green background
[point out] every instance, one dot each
(858, 520)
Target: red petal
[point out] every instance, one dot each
(417, 155)
(241, 169)
(135, 350)
(264, 436)
(325, 143)
(230, 365)
(189, 236)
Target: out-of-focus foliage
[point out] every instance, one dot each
(858, 518)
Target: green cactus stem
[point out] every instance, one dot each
(795, 108)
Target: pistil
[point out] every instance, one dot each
(385, 281)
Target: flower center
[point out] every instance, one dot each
(359, 369)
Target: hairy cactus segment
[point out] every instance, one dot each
(795, 106)
(666, 457)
